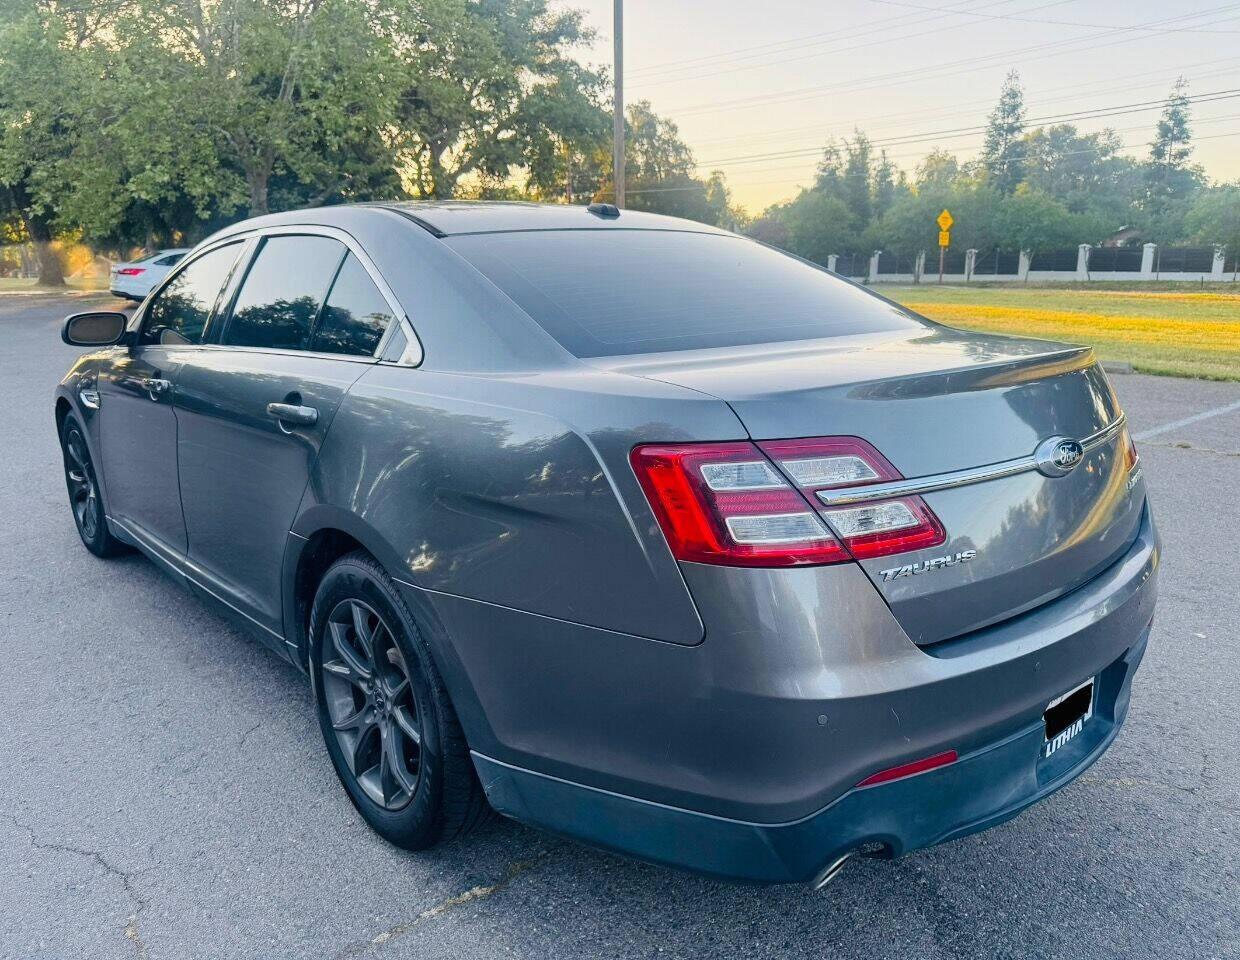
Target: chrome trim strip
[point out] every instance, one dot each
(1105, 435)
(957, 478)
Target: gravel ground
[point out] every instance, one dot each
(167, 795)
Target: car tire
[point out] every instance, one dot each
(85, 500)
(386, 718)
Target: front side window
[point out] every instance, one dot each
(355, 316)
(179, 312)
(282, 292)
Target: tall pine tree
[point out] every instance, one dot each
(1003, 154)
(1169, 178)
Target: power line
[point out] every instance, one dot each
(1070, 153)
(1038, 20)
(1118, 110)
(937, 112)
(918, 74)
(922, 154)
(795, 43)
(884, 38)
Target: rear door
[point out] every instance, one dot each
(305, 323)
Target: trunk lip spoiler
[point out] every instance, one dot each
(957, 478)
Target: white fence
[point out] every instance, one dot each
(924, 268)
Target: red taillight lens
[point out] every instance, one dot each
(747, 505)
(724, 503)
(131, 271)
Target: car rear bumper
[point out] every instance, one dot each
(740, 757)
(981, 789)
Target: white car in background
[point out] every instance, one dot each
(135, 280)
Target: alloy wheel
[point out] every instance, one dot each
(83, 490)
(371, 704)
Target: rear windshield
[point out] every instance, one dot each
(612, 292)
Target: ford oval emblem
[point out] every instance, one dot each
(1058, 455)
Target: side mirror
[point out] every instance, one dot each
(95, 328)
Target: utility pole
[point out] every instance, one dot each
(617, 136)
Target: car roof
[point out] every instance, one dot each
(445, 218)
(454, 217)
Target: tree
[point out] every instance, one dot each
(888, 182)
(829, 177)
(856, 185)
(1032, 220)
(487, 86)
(1215, 218)
(938, 170)
(1003, 154)
(660, 173)
(818, 225)
(295, 88)
(1170, 179)
(43, 77)
(909, 226)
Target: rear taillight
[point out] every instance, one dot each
(869, 529)
(130, 271)
(756, 505)
(725, 503)
(1130, 451)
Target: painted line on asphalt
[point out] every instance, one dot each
(1184, 422)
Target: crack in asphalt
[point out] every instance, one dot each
(1181, 445)
(139, 902)
(480, 892)
(246, 734)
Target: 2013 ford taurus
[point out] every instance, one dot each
(628, 527)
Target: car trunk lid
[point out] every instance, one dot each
(946, 405)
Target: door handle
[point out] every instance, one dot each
(156, 386)
(286, 413)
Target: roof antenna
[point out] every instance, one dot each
(607, 211)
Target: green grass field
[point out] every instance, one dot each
(29, 285)
(1174, 329)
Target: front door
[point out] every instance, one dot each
(253, 412)
(137, 424)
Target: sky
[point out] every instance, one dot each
(757, 86)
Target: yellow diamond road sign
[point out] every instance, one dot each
(945, 221)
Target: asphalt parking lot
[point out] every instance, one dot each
(166, 794)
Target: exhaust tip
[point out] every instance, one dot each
(832, 870)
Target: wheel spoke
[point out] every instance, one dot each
(355, 749)
(408, 726)
(349, 658)
(361, 720)
(78, 457)
(395, 763)
(394, 690)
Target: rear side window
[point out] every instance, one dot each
(612, 292)
(169, 261)
(355, 315)
(179, 312)
(282, 292)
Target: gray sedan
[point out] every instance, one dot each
(628, 527)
